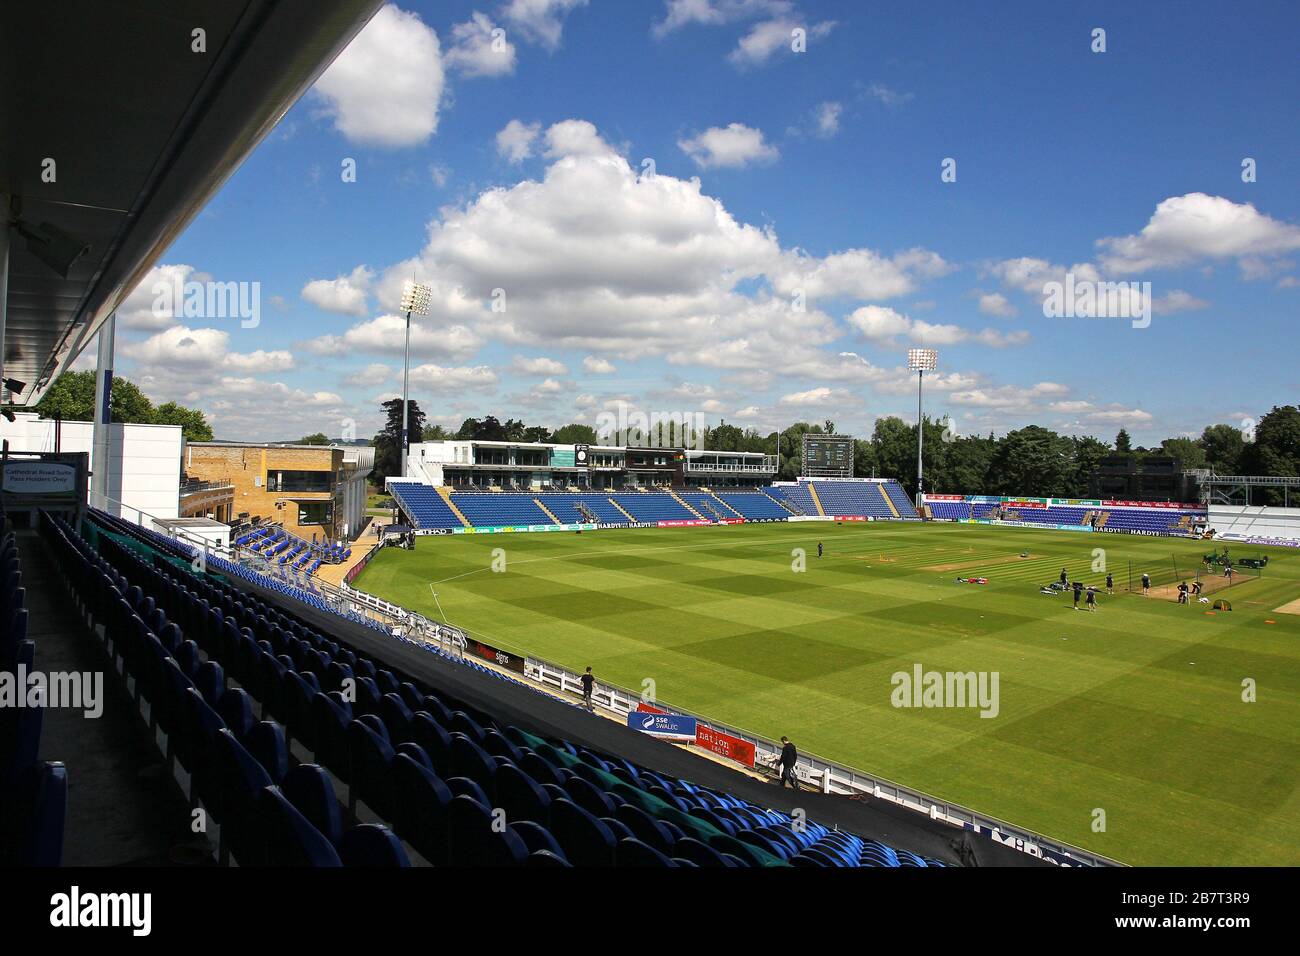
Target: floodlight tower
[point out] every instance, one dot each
(415, 301)
(920, 361)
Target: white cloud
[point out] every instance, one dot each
(880, 323)
(385, 87)
(346, 295)
(680, 13)
(1083, 412)
(539, 365)
(515, 140)
(548, 387)
(764, 40)
(598, 259)
(573, 137)
(828, 119)
(185, 351)
(732, 146)
(858, 273)
(1194, 227)
(439, 378)
(138, 311)
(1176, 300)
(540, 21)
(376, 373)
(890, 98)
(995, 303)
(474, 51)
(819, 396)
(1008, 396)
(386, 335)
(883, 324)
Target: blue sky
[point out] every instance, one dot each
(795, 237)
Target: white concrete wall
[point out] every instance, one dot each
(144, 460)
(1256, 521)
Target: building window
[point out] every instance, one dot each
(315, 512)
(299, 481)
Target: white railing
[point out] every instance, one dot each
(829, 777)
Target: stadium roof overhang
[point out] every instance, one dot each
(115, 132)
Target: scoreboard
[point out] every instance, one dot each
(827, 456)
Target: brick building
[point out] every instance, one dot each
(314, 491)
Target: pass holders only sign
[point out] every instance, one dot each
(39, 478)
(668, 726)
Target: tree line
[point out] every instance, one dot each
(72, 398)
(1032, 460)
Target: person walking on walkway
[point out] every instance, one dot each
(789, 757)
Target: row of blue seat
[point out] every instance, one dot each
(395, 743)
(33, 792)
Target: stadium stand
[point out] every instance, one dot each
(423, 505)
(426, 508)
(853, 498)
(566, 507)
(238, 689)
(1154, 519)
(754, 505)
(652, 506)
(500, 509)
(899, 497)
(33, 792)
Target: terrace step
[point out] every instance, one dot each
(678, 498)
(622, 510)
(445, 493)
(549, 513)
(812, 490)
(787, 505)
(731, 509)
(880, 489)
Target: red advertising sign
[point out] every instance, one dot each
(945, 497)
(680, 524)
(1024, 504)
(725, 745)
(715, 741)
(850, 517)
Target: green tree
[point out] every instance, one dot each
(965, 467)
(436, 433)
(1031, 461)
(723, 438)
(1087, 453)
(1223, 446)
(72, 397)
(1189, 451)
(1275, 452)
(895, 443)
(1123, 443)
(575, 434)
(388, 443)
(194, 426)
(319, 438)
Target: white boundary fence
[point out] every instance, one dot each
(829, 777)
